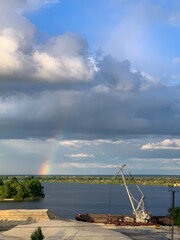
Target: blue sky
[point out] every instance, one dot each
(86, 86)
(152, 27)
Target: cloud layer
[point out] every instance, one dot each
(81, 143)
(57, 85)
(82, 109)
(173, 144)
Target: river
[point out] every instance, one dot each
(68, 199)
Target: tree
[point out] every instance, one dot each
(28, 189)
(7, 191)
(13, 180)
(176, 215)
(37, 234)
(20, 192)
(36, 189)
(1, 182)
(33, 188)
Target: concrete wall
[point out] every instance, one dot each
(35, 215)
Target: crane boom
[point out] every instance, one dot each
(127, 189)
(140, 212)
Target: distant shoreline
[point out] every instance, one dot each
(154, 181)
(144, 184)
(140, 180)
(7, 200)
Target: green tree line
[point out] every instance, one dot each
(111, 180)
(141, 180)
(27, 189)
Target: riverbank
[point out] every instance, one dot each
(160, 181)
(140, 180)
(69, 229)
(15, 200)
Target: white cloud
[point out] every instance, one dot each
(165, 144)
(62, 69)
(148, 81)
(159, 160)
(34, 5)
(81, 143)
(176, 60)
(51, 2)
(12, 59)
(170, 168)
(85, 165)
(63, 58)
(80, 155)
(51, 140)
(41, 65)
(101, 89)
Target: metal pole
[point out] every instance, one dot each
(172, 231)
(173, 190)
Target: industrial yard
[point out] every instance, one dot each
(68, 229)
(145, 232)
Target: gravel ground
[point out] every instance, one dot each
(146, 233)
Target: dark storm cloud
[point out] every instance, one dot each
(57, 85)
(119, 101)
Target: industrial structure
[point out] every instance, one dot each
(141, 214)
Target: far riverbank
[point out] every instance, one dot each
(140, 180)
(16, 200)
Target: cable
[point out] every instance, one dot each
(110, 193)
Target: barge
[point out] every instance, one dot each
(122, 220)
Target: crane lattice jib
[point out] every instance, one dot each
(139, 211)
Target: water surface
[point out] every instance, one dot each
(68, 199)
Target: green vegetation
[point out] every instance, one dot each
(176, 215)
(141, 180)
(27, 189)
(111, 180)
(37, 234)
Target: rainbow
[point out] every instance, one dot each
(46, 166)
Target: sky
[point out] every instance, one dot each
(87, 86)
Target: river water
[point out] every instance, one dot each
(68, 199)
